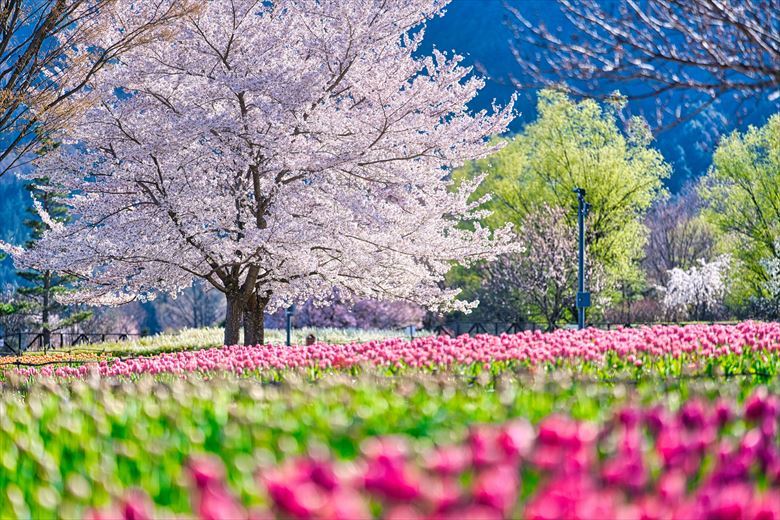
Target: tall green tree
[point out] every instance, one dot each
(742, 193)
(38, 297)
(579, 144)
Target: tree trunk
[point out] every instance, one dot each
(45, 311)
(250, 321)
(233, 313)
(254, 328)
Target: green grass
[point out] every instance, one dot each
(192, 339)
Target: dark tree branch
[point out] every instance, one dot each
(697, 50)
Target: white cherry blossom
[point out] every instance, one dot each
(276, 150)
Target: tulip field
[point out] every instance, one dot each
(749, 348)
(652, 422)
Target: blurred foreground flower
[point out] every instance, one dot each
(695, 463)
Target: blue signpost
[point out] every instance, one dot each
(583, 297)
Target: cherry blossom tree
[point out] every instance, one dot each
(276, 150)
(361, 314)
(697, 292)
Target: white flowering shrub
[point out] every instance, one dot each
(697, 292)
(772, 267)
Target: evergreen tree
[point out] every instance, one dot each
(37, 297)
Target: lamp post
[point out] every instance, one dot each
(583, 297)
(288, 314)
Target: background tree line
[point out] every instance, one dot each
(709, 252)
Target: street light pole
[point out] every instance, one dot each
(583, 298)
(289, 314)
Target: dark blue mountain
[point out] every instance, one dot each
(478, 30)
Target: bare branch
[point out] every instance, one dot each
(696, 50)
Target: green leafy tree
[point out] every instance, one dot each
(742, 193)
(579, 144)
(38, 297)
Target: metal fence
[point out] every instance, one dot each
(18, 342)
(456, 328)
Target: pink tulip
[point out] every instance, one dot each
(215, 503)
(136, 506)
(580, 472)
(388, 473)
(344, 505)
(472, 512)
(497, 487)
(206, 470)
(516, 438)
(760, 405)
(533, 348)
(403, 512)
(441, 495)
(485, 447)
(448, 460)
(212, 499)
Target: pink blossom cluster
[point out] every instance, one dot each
(360, 314)
(630, 344)
(643, 463)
